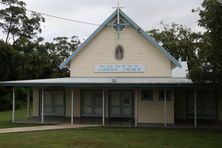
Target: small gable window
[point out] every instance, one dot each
(119, 27)
(119, 52)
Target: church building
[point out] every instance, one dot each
(119, 76)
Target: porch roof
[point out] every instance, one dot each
(101, 81)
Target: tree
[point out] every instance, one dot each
(41, 59)
(8, 61)
(182, 43)
(65, 46)
(16, 23)
(24, 55)
(211, 20)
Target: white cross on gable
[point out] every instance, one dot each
(118, 8)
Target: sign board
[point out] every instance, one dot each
(122, 68)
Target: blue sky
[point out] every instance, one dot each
(146, 13)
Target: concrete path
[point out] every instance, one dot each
(44, 128)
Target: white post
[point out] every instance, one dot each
(42, 116)
(72, 95)
(195, 109)
(135, 102)
(165, 108)
(13, 105)
(103, 118)
(28, 104)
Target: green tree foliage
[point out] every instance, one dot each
(24, 55)
(41, 59)
(34, 59)
(63, 46)
(8, 61)
(182, 43)
(16, 23)
(211, 20)
(202, 51)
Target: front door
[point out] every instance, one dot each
(121, 103)
(91, 103)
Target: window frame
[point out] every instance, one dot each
(147, 99)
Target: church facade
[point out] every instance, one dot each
(120, 75)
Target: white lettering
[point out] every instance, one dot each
(111, 68)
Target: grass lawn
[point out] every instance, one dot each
(107, 137)
(6, 117)
(115, 137)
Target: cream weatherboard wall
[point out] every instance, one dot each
(153, 111)
(76, 102)
(137, 50)
(35, 108)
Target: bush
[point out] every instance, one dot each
(6, 99)
(5, 103)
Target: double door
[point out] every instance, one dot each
(121, 103)
(54, 103)
(91, 103)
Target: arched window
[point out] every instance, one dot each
(119, 52)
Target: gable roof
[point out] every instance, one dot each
(131, 22)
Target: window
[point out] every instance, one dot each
(162, 95)
(147, 95)
(119, 52)
(119, 27)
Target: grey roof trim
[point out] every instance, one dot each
(149, 38)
